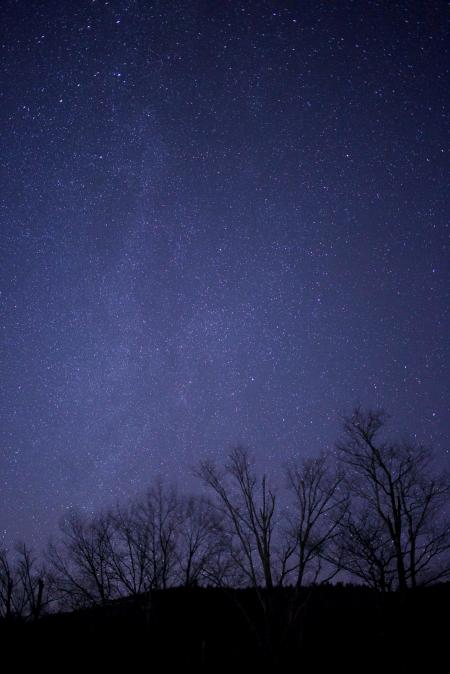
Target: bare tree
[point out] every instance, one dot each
(365, 549)
(159, 511)
(150, 543)
(81, 561)
(248, 507)
(395, 485)
(201, 540)
(319, 506)
(24, 585)
(7, 585)
(131, 550)
(33, 581)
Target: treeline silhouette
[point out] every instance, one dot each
(242, 574)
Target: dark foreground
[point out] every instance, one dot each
(210, 630)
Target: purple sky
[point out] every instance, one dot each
(221, 223)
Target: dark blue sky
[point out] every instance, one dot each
(221, 223)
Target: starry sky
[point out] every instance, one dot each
(221, 223)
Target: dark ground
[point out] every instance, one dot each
(205, 630)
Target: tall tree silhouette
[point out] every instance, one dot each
(80, 561)
(318, 505)
(247, 505)
(398, 525)
(25, 587)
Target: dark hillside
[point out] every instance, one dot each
(205, 630)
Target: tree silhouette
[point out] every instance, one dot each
(247, 505)
(318, 507)
(25, 587)
(397, 533)
(81, 560)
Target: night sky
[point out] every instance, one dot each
(221, 223)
